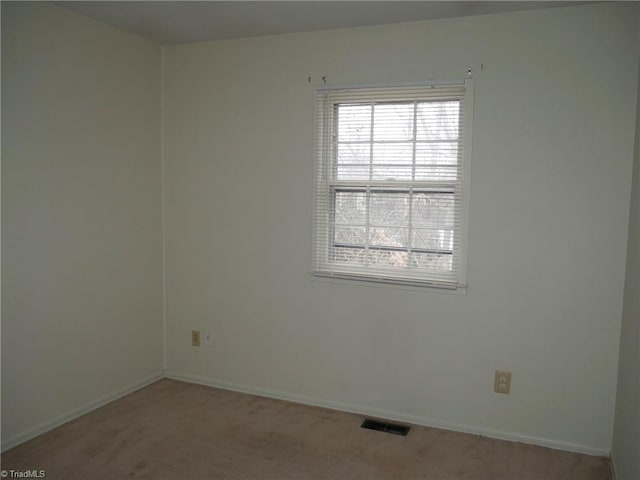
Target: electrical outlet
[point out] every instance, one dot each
(207, 338)
(502, 382)
(195, 338)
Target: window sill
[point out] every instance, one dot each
(416, 285)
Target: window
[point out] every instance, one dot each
(392, 184)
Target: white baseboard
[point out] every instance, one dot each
(391, 415)
(614, 472)
(303, 399)
(77, 412)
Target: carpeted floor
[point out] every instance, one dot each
(175, 430)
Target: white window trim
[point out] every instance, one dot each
(322, 268)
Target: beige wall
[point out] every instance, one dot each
(81, 247)
(552, 156)
(626, 438)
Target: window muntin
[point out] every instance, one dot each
(390, 198)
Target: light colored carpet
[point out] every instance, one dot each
(176, 430)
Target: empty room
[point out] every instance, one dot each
(320, 240)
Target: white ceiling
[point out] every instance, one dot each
(170, 22)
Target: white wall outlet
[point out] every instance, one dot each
(195, 338)
(502, 382)
(207, 338)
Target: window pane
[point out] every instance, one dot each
(438, 120)
(388, 237)
(394, 153)
(433, 239)
(437, 161)
(393, 121)
(349, 235)
(354, 123)
(350, 208)
(389, 209)
(436, 173)
(350, 256)
(352, 172)
(382, 258)
(433, 210)
(432, 261)
(354, 153)
(437, 153)
(392, 173)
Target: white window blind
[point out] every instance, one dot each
(392, 184)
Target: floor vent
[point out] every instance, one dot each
(385, 427)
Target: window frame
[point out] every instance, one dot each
(326, 189)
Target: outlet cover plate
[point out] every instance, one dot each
(502, 382)
(207, 338)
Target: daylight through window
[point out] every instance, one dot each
(392, 184)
